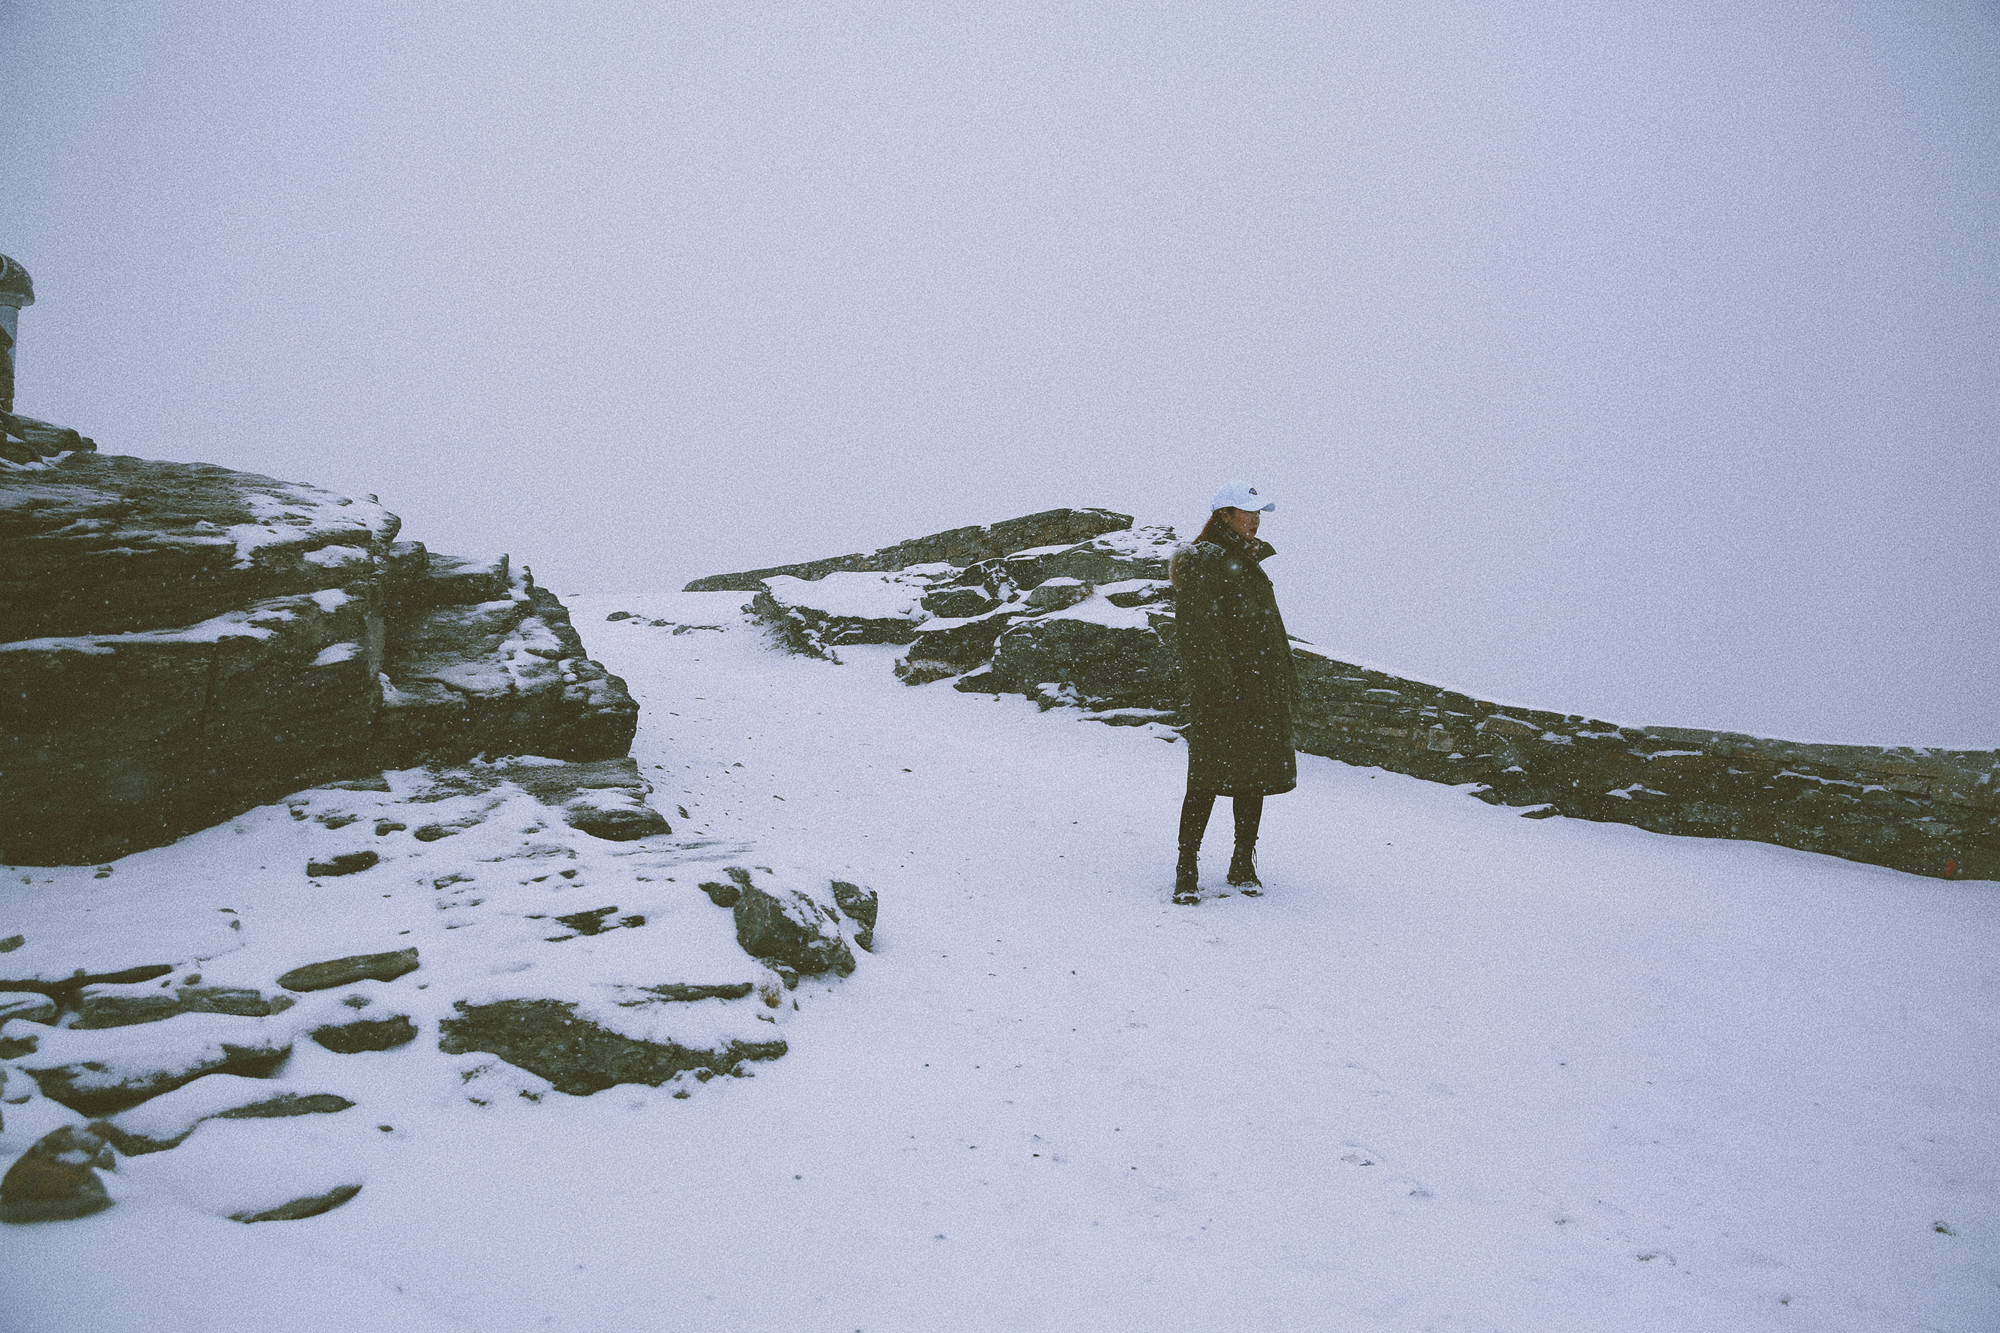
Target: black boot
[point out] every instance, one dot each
(1187, 878)
(1194, 820)
(1243, 869)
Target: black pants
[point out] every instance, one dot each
(1195, 810)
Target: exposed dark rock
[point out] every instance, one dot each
(112, 1082)
(24, 440)
(310, 1206)
(368, 1034)
(19, 1044)
(182, 642)
(12, 942)
(287, 1104)
(840, 609)
(679, 990)
(860, 906)
(721, 894)
(788, 927)
(1131, 666)
(955, 603)
(56, 1179)
(1058, 594)
(239, 1000)
(546, 1037)
(30, 1005)
(963, 644)
(958, 546)
(158, 1136)
(347, 971)
(624, 818)
(347, 863)
(111, 1006)
(592, 922)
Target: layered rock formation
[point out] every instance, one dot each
(181, 642)
(1091, 625)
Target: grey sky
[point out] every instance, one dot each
(1622, 357)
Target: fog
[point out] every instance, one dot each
(1616, 356)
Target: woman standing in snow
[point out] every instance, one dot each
(1236, 660)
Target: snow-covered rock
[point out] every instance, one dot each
(183, 642)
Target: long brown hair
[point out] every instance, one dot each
(1218, 523)
(1211, 531)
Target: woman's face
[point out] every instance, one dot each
(1243, 522)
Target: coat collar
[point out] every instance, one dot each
(1256, 549)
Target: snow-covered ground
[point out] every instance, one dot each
(1457, 1070)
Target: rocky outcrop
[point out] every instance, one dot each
(1090, 625)
(956, 546)
(181, 642)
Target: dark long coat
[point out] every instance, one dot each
(1236, 662)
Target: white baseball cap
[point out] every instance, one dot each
(1241, 495)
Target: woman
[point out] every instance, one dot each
(1236, 660)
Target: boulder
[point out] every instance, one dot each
(347, 971)
(56, 1179)
(788, 927)
(578, 1056)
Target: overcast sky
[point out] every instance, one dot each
(1625, 357)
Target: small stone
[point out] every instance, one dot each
(619, 615)
(12, 942)
(347, 863)
(347, 971)
(54, 1180)
(384, 827)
